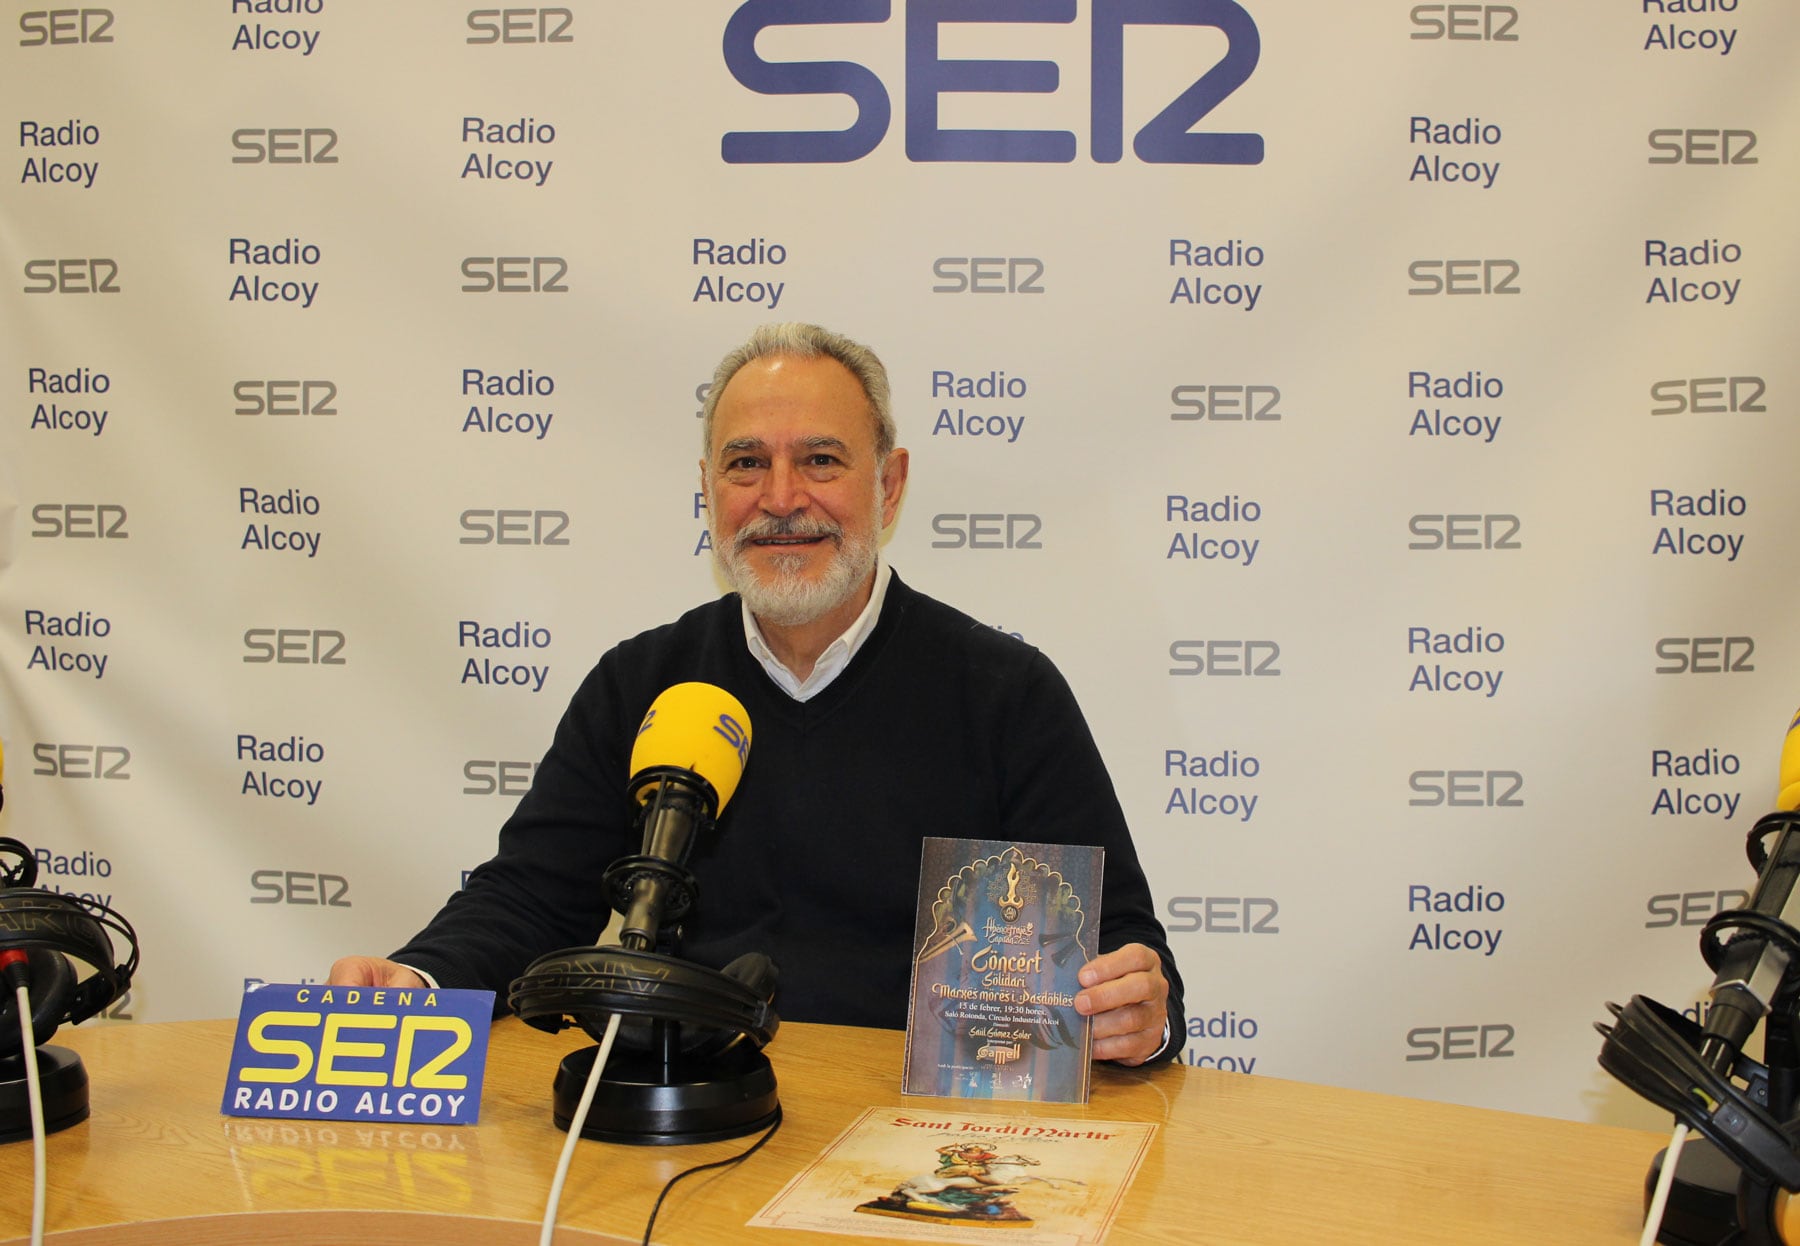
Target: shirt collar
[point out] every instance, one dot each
(837, 654)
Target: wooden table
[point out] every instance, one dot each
(1238, 1161)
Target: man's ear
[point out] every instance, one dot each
(893, 484)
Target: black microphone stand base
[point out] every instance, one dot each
(642, 1102)
(1703, 1199)
(63, 1082)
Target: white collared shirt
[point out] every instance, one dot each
(837, 654)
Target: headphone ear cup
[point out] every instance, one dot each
(755, 971)
(53, 981)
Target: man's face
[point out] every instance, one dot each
(796, 499)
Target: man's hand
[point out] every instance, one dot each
(373, 971)
(1124, 991)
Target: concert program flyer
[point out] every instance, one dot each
(936, 1175)
(1002, 930)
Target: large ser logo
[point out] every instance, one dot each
(1170, 137)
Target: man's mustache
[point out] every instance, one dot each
(786, 525)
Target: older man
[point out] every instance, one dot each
(880, 715)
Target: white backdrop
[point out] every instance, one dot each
(1355, 501)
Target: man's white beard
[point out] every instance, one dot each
(785, 598)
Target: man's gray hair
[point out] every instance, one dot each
(808, 341)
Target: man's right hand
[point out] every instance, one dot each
(373, 971)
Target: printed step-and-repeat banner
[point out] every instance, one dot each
(1383, 413)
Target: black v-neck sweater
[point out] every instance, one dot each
(940, 726)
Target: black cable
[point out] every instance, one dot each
(24, 873)
(723, 1163)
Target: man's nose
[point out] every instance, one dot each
(784, 490)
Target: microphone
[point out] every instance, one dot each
(685, 765)
(692, 1037)
(1751, 967)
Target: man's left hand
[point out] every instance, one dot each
(1126, 994)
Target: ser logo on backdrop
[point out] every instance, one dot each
(1466, 23)
(1490, 1041)
(1709, 395)
(1702, 146)
(961, 530)
(58, 27)
(1690, 908)
(1476, 276)
(514, 527)
(103, 521)
(1228, 658)
(988, 274)
(515, 274)
(91, 275)
(1705, 655)
(299, 887)
(1254, 915)
(1464, 532)
(1467, 789)
(1170, 137)
(81, 761)
(520, 25)
(492, 777)
(295, 646)
(278, 397)
(1231, 403)
(285, 145)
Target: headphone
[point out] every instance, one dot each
(716, 1009)
(49, 931)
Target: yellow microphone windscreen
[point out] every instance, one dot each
(698, 727)
(1787, 783)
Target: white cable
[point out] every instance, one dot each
(35, 1094)
(1660, 1199)
(575, 1124)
